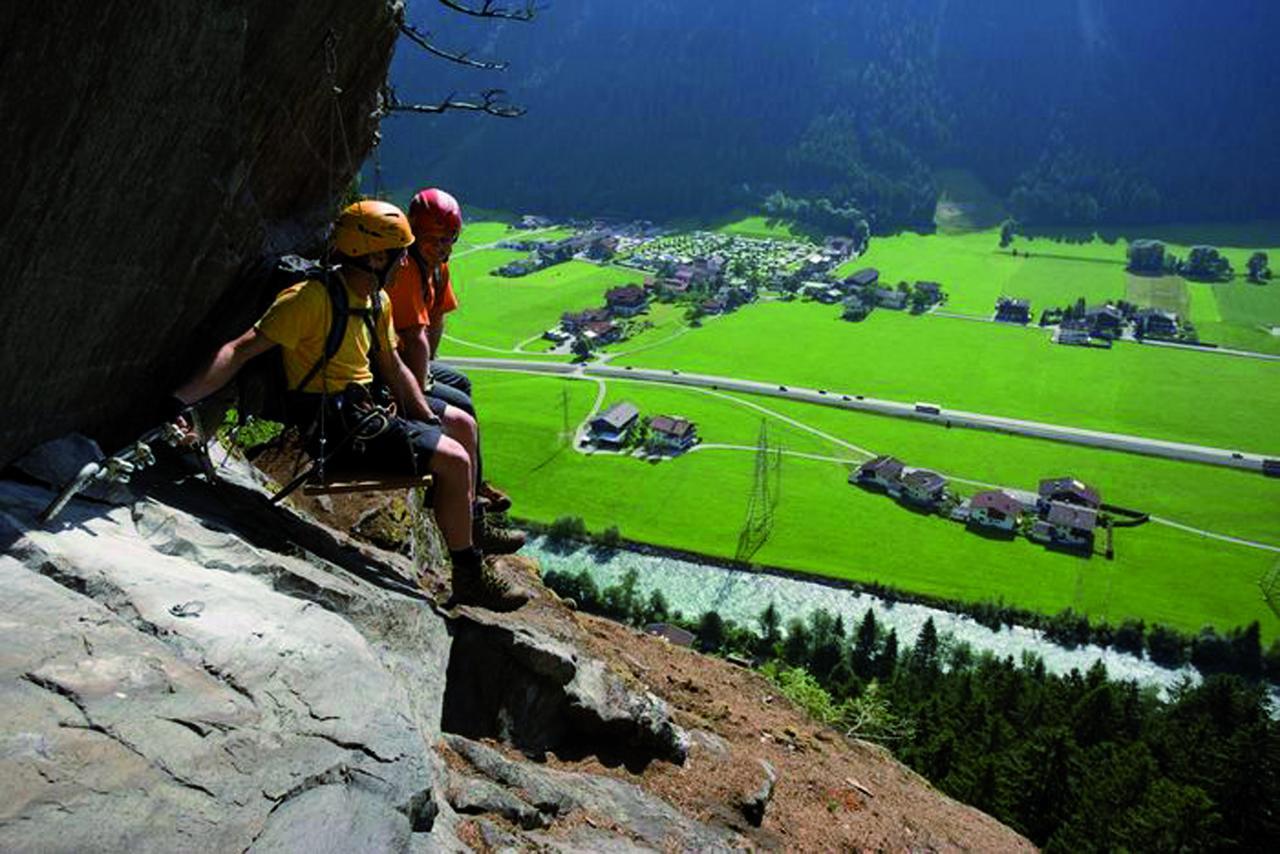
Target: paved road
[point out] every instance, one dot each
(953, 417)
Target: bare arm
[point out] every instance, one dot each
(405, 387)
(220, 370)
(434, 333)
(415, 350)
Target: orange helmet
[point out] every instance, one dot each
(371, 226)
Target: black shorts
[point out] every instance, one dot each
(403, 448)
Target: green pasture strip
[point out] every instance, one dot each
(1168, 293)
(482, 232)
(501, 312)
(824, 526)
(767, 228)
(991, 368)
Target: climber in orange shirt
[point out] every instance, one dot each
(421, 295)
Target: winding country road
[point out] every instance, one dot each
(1230, 458)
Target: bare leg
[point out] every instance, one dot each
(461, 427)
(451, 466)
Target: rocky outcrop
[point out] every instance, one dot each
(155, 152)
(173, 676)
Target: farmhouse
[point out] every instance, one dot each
(672, 434)
(1067, 524)
(855, 308)
(924, 487)
(828, 296)
(868, 277)
(1154, 323)
(883, 471)
(1013, 310)
(574, 322)
(995, 508)
(1105, 321)
(601, 332)
(1070, 491)
(626, 301)
(890, 298)
(613, 426)
(1073, 335)
(530, 221)
(556, 336)
(840, 247)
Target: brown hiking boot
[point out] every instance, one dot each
(496, 501)
(495, 540)
(484, 587)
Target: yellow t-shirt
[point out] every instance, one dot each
(299, 322)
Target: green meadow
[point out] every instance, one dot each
(1013, 371)
(502, 312)
(1055, 271)
(824, 526)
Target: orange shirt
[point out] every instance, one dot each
(418, 303)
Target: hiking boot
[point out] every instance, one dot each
(496, 501)
(483, 587)
(493, 539)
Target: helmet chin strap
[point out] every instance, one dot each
(383, 275)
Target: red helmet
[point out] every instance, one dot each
(435, 213)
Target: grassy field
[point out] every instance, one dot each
(824, 526)
(1055, 271)
(767, 228)
(502, 312)
(991, 368)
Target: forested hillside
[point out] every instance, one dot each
(1073, 111)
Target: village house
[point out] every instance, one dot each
(602, 248)
(868, 277)
(1155, 323)
(574, 322)
(924, 487)
(883, 471)
(1013, 310)
(840, 247)
(556, 336)
(828, 296)
(1070, 491)
(1071, 334)
(714, 305)
(1066, 524)
(856, 308)
(612, 427)
(1104, 321)
(891, 298)
(600, 332)
(995, 508)
(626, 301)
(672, 434)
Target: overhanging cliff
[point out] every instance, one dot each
(155, 151)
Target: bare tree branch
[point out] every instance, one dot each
(490, 9)
(491, 101)
(423, 40)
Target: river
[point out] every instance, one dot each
(694, 588)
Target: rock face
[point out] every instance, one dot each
(169, 681)
(155, 152)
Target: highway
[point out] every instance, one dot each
(1231, 458)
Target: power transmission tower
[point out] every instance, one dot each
(1269, 583)
(763, 501)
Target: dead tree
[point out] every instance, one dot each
(490, 101)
